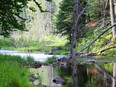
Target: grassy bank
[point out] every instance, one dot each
(12, 74)
(48, 42)
(43, 45)
(17, 59)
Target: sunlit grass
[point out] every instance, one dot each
(13, 75)
(12, 71)
(55, 40)
(14, 58)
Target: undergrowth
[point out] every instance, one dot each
(104, 41)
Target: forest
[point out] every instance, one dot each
(76, 37)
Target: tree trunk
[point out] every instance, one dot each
(114, 75)
(73, 41)
(74, 29)
(112, 14)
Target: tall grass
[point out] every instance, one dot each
(13, 75)
(6, 42)
(14, 58)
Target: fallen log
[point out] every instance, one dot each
(96, 38)
(100, 51)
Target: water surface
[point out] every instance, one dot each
(88, 75)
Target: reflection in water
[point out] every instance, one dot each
(88, 75)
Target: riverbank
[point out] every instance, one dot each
(45, 46)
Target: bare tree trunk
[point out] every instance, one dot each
(114, 75)
(74, 29)
(112, 14)
(73, 42)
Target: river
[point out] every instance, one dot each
(90, 73)
(36, 56)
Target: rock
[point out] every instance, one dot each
(50, 53)
(58, 80)
(33, 64)
(33, 78)
(54, 49)
(61, 62)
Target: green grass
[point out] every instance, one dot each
(111, 53)
(14, 58)
(13, 75)
(6, 42)
(50, 60)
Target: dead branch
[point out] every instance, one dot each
(106, 49)
(100, 51)
(97, 38)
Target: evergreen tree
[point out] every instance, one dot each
(64, 18)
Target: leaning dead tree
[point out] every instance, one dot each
(97, 38)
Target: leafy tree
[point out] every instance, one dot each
(10, 15)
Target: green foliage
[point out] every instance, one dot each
(63, 21)
(10, 15)
(12, 75)
(7, 42)
(108, 67)
(104, 41)
(111, 52)
(50, 60)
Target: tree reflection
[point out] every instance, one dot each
(89, 75)
(65, 73)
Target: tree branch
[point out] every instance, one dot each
(97, 38)
(106, 49)
(80, 14)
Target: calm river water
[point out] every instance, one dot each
(89, 74)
